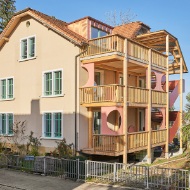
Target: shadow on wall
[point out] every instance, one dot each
(34, 123)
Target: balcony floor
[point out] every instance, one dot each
(91, 151)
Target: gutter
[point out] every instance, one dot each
(76, 103)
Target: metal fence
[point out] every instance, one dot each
(64, 168)
(101, 172)
(137, 176)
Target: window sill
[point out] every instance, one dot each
(51, 138)
(53, 96)
(10, 99)
(22, 60)
(6, 135)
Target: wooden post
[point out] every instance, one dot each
(90, 127)
(181, 105)
(149, 156)
(167, 99)
(125, 128)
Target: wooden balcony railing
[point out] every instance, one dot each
(114, 144)
(138, 51)
(159, 59)
(108, 143)
(159, 97)
(115, 43)
(102, 93)
(111, 43)
(114, 93)
(137, 95)
(158, 136)
(137, 140)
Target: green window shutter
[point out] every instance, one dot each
(48, 84)
(57, 124)
(10, 88)
(48, 124)
(4, 124)
(3, 89)
(24, 49)
(31, 47)
(10, 124)
(57, 82)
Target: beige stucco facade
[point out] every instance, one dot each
(53, 52)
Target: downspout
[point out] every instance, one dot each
(76, 103)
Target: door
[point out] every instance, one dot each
(97, 122)
(98, 80)
(142, 83)
(141, 120)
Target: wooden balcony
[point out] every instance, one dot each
(137, 96)
(107, 46)
(137, 141)
(159, 137)
(103, 94)
(113, 95)
(110, 145)
(159, 98)
(113, 145)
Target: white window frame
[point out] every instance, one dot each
(52, 124)
(3, 99)
(7, 128)
(43, 81)
(28, 58)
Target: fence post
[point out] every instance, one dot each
(114, 172)
(147, 179)
(78, 169)
(86, 169)
(44, 165)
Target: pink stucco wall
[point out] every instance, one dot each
(90, 69)
(104, 114)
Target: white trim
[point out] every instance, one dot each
(52, 124)
(43, 80)
(28, 58)
(7, 78)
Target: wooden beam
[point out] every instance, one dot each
(134, 68)
(167, 100)
(181, 105)
(5, 39)
(149, 155)
(125, 119)
(90, 127)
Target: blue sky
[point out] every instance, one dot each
(171, 15)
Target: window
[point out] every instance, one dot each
(96, 33)
(53, 83)
(52, 125)
(6, 124)
(6, 86)
(28, 48)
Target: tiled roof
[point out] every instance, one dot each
(129, 30)
(55, 24)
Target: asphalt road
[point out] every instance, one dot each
(17, 180)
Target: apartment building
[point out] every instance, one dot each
(105, 89)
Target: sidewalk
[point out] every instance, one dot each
(10, 180)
